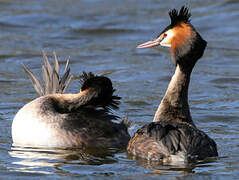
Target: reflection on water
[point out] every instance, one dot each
(39, 160)
(33, 159)
(101, 36)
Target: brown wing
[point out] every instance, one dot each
(160, 140)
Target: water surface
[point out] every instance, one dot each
(101, 36)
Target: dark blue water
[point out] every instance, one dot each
(101, 36)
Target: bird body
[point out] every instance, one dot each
(173, 136)
(77, 120)
(41, 123)
(171, 142)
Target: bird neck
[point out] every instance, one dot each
(72, 102)
(174, 106)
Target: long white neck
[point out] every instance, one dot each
(174, 106)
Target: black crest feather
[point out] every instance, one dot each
(182, 16)
(84, 78)
(104, 90)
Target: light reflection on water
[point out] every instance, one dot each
(101, 36)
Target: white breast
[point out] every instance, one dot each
(30, 129)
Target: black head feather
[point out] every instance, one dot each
(103, 89)
(187, 54)
(182, 16)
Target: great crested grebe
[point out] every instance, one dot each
(69, 120)
(173, 136)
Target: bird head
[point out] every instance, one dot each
(181, 37)
(101, 91)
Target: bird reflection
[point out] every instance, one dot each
(31, 159)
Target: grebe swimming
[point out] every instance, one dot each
(69, 120)
(173, 136)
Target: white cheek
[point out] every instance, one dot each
(165, 43)
(167, 40)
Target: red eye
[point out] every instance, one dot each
(165, 35)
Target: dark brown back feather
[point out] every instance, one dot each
(177, 137)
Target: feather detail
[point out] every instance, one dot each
(52, 83)
(105, 97)
(182, 16)
(35, 82)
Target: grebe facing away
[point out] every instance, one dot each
(173, 136)
(69, 120)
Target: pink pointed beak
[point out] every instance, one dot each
(149, 44)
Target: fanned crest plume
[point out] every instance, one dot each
(182, 16)
(109, 101)
(52, 82)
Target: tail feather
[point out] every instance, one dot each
(52, 83)
(66, 79)
(65, 75)
(48, 76)
(67, 84)
(35, 82)
(55, 81)
(56, 64)
(67, 65)
(45, 76)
